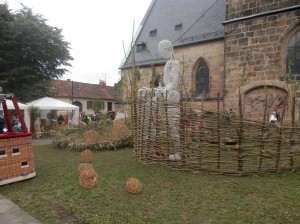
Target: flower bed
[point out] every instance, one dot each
(95, 137)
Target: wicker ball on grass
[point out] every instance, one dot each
(86, 156)
(83, 167)
(88, 178)
(133, 185)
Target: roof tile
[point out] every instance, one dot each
(63, 88)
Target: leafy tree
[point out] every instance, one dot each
(35, 113)
(32, 53)
(98, 105)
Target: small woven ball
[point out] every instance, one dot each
(86, 156)
(133, 185)
(88, 178)
(83, 167)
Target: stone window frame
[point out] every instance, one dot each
(296, 35)
(282, 45)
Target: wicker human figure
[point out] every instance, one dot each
(169, 91)
(171, 72)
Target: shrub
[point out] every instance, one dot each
(96, 136)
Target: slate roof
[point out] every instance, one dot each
(201, 21)
(63, 88)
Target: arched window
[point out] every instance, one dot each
(202, 78)
(293, 55)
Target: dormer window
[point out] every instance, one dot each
(153, 33)
(178, 26)
(140, 46)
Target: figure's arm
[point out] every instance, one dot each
(143, 91)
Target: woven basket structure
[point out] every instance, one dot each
(88, 178)
(133, 185)
(86, 156)
(185, 136)
(16, 157)
(83, 167)
(91, 136)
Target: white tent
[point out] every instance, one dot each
(10, 106)
(48, 104)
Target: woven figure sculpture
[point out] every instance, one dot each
(167, 93)
(86, 156)
(171, 69)
(83, 167)
(88, 178)
(133, 185)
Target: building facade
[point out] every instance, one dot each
(262, 42)
(225, 48)
(85, 95)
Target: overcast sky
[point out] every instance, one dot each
(95, 30)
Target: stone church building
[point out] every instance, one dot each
(226, 47)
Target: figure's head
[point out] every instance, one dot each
(165, 49)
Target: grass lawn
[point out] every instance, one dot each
(167, 196)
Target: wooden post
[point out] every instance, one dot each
(240, 137)
(219, 135)
(263, 129)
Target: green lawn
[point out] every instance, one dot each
(167, 196)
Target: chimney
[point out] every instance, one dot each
(102, 83)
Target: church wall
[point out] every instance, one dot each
(241, 8)
(213, 53)
(255, 48)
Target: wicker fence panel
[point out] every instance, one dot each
(187, 137)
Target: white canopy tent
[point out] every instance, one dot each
(47, 104)
(24, 107)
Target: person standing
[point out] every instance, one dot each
(60, 120)
(2, 123)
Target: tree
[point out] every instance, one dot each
(32, 53)
(98, 105)
(35, 113)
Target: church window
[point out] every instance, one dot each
(293, 55)
(202, 78)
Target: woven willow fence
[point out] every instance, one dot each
(187, 137)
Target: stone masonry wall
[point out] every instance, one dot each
(189, 56)
(262, 40)
(241, 8)
(213, 53)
